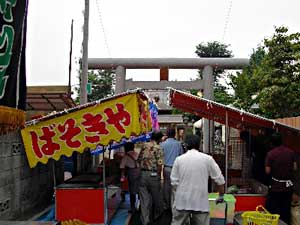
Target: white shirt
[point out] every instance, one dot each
(189, 176)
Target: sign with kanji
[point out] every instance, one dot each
(13, 24)
(98, 124)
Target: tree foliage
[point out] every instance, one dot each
(273, 77)
(103, 82)
(279, 82)
(222, 96)
(213, 49)
(219, 50)
(245, 84)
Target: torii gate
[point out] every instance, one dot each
(207, 64)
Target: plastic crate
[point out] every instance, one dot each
(238, 220)
(260, 217)
(217, 210)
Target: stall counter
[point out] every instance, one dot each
(85, 202)
(248, 202)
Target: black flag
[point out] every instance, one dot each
(13, 21)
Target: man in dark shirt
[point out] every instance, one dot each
(296, 196)
(280, 164)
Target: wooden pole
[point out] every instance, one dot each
(70, 57)
(104, 188)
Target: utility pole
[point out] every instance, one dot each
(84, 75)
(70, 58)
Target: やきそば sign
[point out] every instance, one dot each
(86, 128)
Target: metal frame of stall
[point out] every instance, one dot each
(77, 108)
(230, 117)
(140, 138)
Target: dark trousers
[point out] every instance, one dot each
(167, 188)
(132, 201)
(150, 197)
(133, 183)
(280, 203)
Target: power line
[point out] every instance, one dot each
(227, 18)
(103, 29)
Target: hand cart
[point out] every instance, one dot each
(220, 221)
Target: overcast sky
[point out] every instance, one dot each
(139, 28)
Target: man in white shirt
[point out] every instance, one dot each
(189, 178)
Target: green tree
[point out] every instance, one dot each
(102, 81)
(222, 96)
(273, 77)
(216, 49)
(245, 84)
(278, 77)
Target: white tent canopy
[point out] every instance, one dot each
(198, 124)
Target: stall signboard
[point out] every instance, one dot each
(88, 127)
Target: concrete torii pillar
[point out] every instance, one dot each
(208, 125)
(207, 64)
(120, 79)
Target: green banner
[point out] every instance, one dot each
(13, 20)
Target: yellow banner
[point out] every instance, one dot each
(86, 128)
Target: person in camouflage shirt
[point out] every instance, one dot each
(151, 158)
(151, 161)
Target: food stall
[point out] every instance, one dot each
(251, 193)
(87, 197)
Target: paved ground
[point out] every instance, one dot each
(165, 219)
(122, 216)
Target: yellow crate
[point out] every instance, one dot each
(260, 217)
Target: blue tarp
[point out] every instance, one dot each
(142, 138)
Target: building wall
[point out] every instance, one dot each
(291, 121)
(23, 191)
